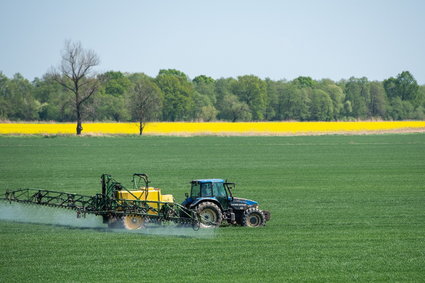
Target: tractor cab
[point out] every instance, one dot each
(216, 190)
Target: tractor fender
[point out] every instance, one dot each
(200, 200)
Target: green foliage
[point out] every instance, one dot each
(204, 109)
(304, 82)
(17, 99)
(271, 112)
(235, 110)
(357, 92)
(111, 108)
(223, 89)
(4, 97)
(252, 91)
(321, 106)
(202, 79)
(174, 73)
(404, 86)
(344, 209)
(111, 102)
(336, 94)
(114, 83)
(205, 86)
(294, 103)
(378, 102)
(178, 95)
(207, 113)
(420, 99)
(246, 98)
(56, 104)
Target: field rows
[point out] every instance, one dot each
(345, 208)
(217, 128)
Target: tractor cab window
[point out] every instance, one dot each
(218, 190)
(196, 190)
(206, 189)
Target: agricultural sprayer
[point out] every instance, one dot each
(209, 204)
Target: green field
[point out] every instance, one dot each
(344, 208)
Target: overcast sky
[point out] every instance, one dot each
(276, 39)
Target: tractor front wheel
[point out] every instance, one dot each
(210, 214)
(253, 217)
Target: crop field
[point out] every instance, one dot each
(217, 128)
(344, 209)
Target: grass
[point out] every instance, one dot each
(344, 209)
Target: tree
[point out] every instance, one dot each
(294, 103)
(304, 82)
(203, 108)
(205, 85)
(110, 100)
(114, 83)
(75, 74)
(17, 99)
(204, 98)
(234, 109)
(404, 86)
(272, 99)
(321, 106)
(407, 86)
(4, 99)
(252, 90)
(56, 103)
(202, 79)
(144, 101)
(420, 100)
(337, 95)
(178, 95)
(357, 92)
(222, 89)
(378, 101)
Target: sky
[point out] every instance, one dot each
(334, 39)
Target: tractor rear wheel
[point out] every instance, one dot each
(210, 214)
(253, 217)
(133, 222)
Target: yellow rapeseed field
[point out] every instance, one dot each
(215, 128)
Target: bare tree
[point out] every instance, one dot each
(75, 74)
(145, 102)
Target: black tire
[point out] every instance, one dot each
(253, 217)
(210, 214)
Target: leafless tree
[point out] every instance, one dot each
(75, 74)
(145, 102)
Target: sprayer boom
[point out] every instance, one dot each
(117, 205)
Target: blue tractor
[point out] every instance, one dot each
(213, 200)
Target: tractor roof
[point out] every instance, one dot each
(208, 181)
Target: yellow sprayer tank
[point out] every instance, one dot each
(147, 194)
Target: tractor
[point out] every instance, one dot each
(210, 203)
(215, 203)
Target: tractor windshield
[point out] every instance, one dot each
(218, 190)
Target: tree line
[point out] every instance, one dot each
(173, 96)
